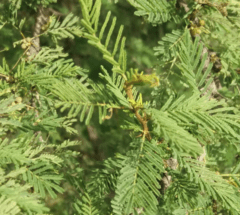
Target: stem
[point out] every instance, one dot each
(143, 121)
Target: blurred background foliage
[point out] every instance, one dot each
(99, 142)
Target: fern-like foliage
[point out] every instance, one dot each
(167, 47)
(190, 54)
(46, 93)
(9, 107)
(17, 196)
(91, 13)
(86, 206)
(138, 186)
(65, 29)
(157, 12)
(219, 120)
(77, 96)
(36, 168)
(15, 5)
(83, 100)
(52, 67)
(211, 183)
(8, 206)
(104, 180)
(168, 129)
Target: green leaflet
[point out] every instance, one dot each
(90, 22)
(157, 12)
(138, 184)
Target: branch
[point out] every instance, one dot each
(34, 49)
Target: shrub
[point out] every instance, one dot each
(182, 114)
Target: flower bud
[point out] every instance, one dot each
(19, 99)
(24, 46)
(201, 22)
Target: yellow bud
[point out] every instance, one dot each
(224, 11)
(36, 123)
(193, 31)
(28, 39)
(24, 46)
(198, 31)
(201, 22)
(19, 99)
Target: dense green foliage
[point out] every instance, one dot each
(119, 107)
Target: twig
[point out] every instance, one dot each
(34, 49)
